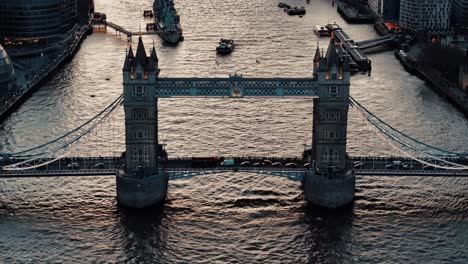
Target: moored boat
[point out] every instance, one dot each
(296, 11)
(225, 46)
(167, 21)
(321, 31)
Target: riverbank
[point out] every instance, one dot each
(31, 71)
(436, 81)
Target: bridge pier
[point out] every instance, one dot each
(329, 192)
(141, 193)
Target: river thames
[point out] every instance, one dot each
(233, 217)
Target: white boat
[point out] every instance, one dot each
(321, 31)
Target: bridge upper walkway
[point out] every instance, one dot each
(236, 86)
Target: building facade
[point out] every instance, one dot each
(7, 76)
(421, 15)
(36, 21)
(460, 13)
(389, 10)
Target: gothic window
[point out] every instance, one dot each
(331, 134)
(140, 134)
(333, 90)
(145, 153)
(135, 154)
(139, 76)
(325, 154)
(336, 157)
(139, 90)
(333, 76)
(140, 115)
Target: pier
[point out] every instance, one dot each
(101, 21)
(355, 50)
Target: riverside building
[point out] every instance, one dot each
(460, 13)
(421, 15)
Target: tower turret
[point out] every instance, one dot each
(316, 61)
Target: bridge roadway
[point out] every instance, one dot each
(105, 166)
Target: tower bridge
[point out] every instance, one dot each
(143, 171)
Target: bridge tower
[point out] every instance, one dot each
(141, 183)
(331, 185)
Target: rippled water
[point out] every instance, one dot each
(233, 217)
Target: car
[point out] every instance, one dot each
(358, 164)
(227, 162)
(307, 165)
(258, 164)
(407, 166)
(99, 166)
(390, 167)
(277, 164)
(267, 162)
(245, 163)
(73, 166)
(291, 165)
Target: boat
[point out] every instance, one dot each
(295, 11)
(333, 27)
(321, 31)
(148, 13)
(167, 21)
(284, 5)
(225, 46)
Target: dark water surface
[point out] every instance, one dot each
(232, 217)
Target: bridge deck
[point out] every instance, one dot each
(363, 166)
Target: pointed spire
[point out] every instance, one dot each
(317, 55)
(153, 54)
(332, 56)
(346, 67)
(130, 53)
(140, 56)
(129, 58)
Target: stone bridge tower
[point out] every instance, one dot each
(331, 184)
(143, 183)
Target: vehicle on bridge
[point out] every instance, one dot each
(291, 165)
(73, 166)
(227, 162)
(358, 164)
(99, 166)
(245, 164)
(277, 164)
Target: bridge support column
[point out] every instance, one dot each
(329, 192)
(141, 193)
(142, 183)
